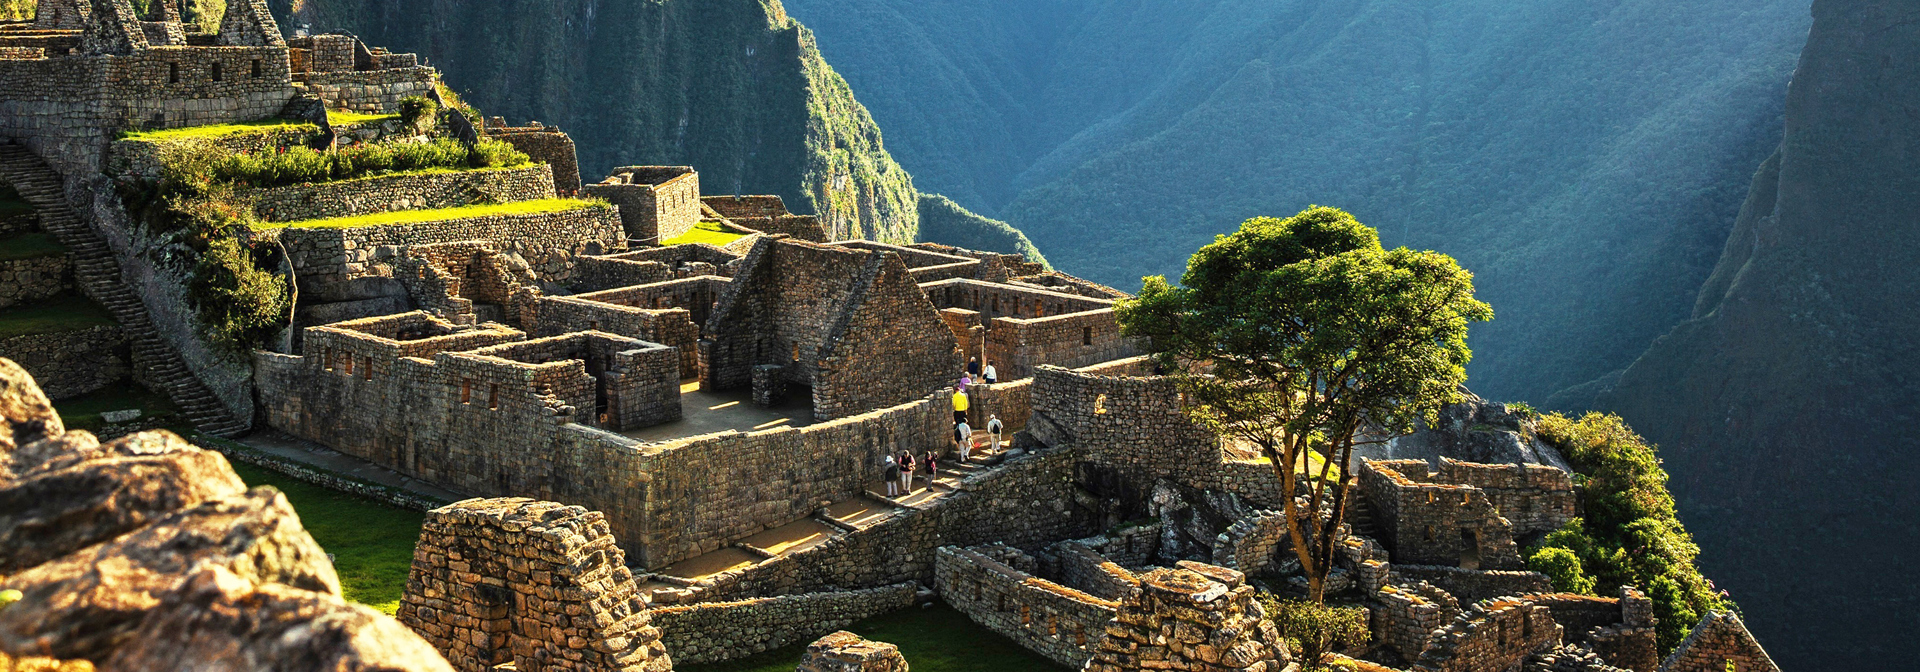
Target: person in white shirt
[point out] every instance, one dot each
(989, 375)
(963, 435)
(994, 428)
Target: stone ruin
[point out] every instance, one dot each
(1196, 617)
(535, 584)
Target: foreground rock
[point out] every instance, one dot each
(147, 553)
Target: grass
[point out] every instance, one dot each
(416, 216)
(937, 639)
(217, 130)
(708, 232)
(83, 412)
(29, 246)
(340, 118)
(66, 312)
(371, 543)
(11, 203)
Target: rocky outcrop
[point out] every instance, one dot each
(1474, 430)
(147, 553)
(847, 652)
(1785, 408)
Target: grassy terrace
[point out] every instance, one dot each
(67, 312)
(708, 232)
(29, 246)
(543, 206)
(337, 118)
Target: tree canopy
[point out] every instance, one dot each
(1294, 335)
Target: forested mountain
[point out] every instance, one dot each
(734, 88)
(1786, 406)
(1584, 159)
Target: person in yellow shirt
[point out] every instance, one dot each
(959, 404)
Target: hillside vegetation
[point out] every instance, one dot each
(1584, 159)
(944, 221)
(734, 88)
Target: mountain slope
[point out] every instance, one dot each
(734, 88)
(1584, 159)
(1787, 403)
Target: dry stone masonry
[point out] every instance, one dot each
(1196, 617)
(847, 652)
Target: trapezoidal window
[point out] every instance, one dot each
(1086, 335)
(466, 391)
(1469, 549)
(366, 368)
(493, 396)
(257, 69)
(173, 73)
(216, 72)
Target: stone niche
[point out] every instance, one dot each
(537, 584)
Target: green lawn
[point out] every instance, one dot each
(416, 216)
(66, 312)
(708, 232)
(372, 543)
(341, 118)
(83, 412)
(28, 246)
(938, 639)
(11, 203)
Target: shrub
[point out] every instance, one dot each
(1315, 630)
(419, 113)
(1631, 533)
(1563, 567)
(239, 305)
(295, 165)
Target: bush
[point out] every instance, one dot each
(295, 165)
(239, 305)
(1315, 630)
(419, 113)
(1563, 567)
(1631, 534)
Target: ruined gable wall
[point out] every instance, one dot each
(1045, 617)
(1719, 639)
(891, 348)
(780, 310)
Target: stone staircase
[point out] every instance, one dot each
(97, 272)
(1360, 514)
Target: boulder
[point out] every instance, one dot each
(49, 513)
(29, 415)
(217, 620)
(847, 652)
(88, 603)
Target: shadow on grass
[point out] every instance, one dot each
(935, 639)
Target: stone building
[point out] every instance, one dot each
(848, 326)
(766, 214)
(657, 203)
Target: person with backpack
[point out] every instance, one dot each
(891, 474)
(963, 435)
(994, 428)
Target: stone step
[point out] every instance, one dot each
(98, 272)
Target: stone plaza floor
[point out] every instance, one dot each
(706, 412)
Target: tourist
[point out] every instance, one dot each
(965, 380)
(994, 428)
(933, 467)
(973, 366)
(963, 435)
(990, 376)
(892, 476)
(959, 404)
(906, 471)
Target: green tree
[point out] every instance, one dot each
(1293, 334)
(1314, 631)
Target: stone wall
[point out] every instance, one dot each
(597, 273)
(32, 279)
(1196, 617)
(71, 363)
(715, 631)
(1131, 431)
(847, 652)
(1092, 573)
(1251, 544)
(336, 255)
(1407, 615)
(656, 202)
(672, 327)
(1473, 586)
(1436, 523)
(369, 91)
(1533, 497)
(1493, 635)
(678, 257)
(1028, 327)
(389, 193)
(536, 584)
(1045, 617)
(548, 146)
